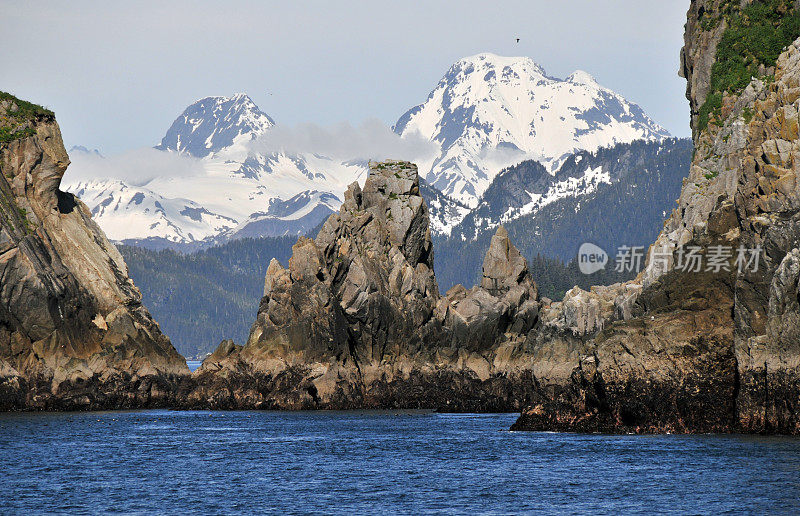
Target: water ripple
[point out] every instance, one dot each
(377, 462)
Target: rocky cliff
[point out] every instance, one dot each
(356, 319)
(73, 332)
(714, 348)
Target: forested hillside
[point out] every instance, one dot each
(630, 211)
(203, 297)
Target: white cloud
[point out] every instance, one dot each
(498, 158)
(370, 140)
(136, 167)
(343, 142)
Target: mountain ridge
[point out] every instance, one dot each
(230, 195)
(491, 121)
(489, 108)
(214, 123)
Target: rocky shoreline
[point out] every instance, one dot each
(356, 321)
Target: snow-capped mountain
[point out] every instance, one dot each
(216, 123)
(445, 213)
(137, 213)
(645, 179)
(489, 112)
(297, 215)
(233, 193)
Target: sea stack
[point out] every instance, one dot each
(356, 319)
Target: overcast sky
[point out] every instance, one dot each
(118, 73)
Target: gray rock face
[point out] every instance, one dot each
(770, 363)
(507, 300)
(73, 332)
(297, 313)
(783, 324)
(585, 313)
(750, 165)
(729, 334)
(379, 260)
(504, 267)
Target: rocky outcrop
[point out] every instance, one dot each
(669, 369)
(714, 349)
(706, 22)
(356, 319)
(506, 301)
(73, 331)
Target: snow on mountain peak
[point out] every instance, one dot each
(490, 111)
(486, 113)
(215, 123)
(488, 61)
(581, 77)
(233, 191)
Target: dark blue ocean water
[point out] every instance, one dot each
(376, 462)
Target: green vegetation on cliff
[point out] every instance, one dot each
(15, 116)
(755, 37)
